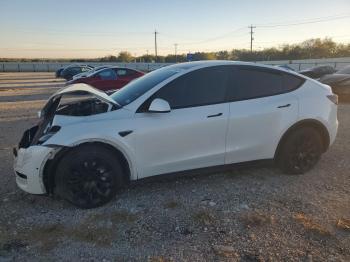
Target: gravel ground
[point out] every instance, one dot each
(247, 214)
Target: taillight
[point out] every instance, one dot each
(333, 98)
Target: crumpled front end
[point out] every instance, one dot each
(32, 152)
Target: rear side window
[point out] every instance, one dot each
(252, 82)
(130, 72)
(201, 87)
(121, 72)
(291, 82)
(75, 70)
(107, 74)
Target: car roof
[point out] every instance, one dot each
(187, 66)
(75, 65)
(121, 67)
(98, 70)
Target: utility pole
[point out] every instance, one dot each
(155, 44)
(251, 37)
(147, 58)
(175, 52)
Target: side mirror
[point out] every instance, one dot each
(159, 106)
(40, 113)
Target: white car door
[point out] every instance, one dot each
(261, 110)
(192, 135)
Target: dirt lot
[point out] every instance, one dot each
(248, 214)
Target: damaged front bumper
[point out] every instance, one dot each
(30, 160)
(29, 166)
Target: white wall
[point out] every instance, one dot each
(51, 67)
(307, 63)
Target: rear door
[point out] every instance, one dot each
(192, 135)
(262, 106)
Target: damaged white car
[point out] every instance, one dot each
(177, 118)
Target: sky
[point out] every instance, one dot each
(95, 28)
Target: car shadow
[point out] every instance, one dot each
(206, 172)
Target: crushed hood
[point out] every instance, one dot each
(54, 100)
(79, 88)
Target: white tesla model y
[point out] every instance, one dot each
(180, 117)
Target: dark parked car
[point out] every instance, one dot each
(71, 71)
(107, 79)
(85, 74)
(58, 72)
(318, 71)
(344, 70)
(339, 81)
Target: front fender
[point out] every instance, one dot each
(65, 141)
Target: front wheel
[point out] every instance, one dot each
(300, 151)
(89, 176)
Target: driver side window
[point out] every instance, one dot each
(198, 88)
(121, 72)
(107, 74)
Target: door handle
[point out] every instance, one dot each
(215, 115)
(287, 105)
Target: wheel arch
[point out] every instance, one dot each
(317, 125)
(51, 164)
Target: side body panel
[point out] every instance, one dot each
(104, 128)
(256, 126)
(181, 139)
(314, 104)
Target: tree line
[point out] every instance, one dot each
(312, 48)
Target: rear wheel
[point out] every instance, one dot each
(89, 176)
(300, 151)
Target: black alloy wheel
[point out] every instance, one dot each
(301, 151)
(89, 176)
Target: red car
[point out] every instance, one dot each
(108, 79)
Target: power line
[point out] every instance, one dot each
(214, 38)
(303, 22)
(281, 24)
(299, 40)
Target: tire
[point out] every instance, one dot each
(300, 151)
(88, 176)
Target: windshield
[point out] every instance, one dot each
(138, 87)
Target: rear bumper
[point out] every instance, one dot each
(29, 166)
